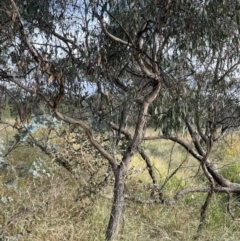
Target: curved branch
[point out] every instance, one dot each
(145, 66)
(90, 134)
(124, 30)
(185, 145)
(209, 165)
(112, 37)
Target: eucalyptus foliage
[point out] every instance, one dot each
(170, 64)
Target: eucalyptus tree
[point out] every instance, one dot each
(157, 62)
(191, 50)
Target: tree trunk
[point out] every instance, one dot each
(118, 201)
(121, 170)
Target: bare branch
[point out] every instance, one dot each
(112, 37)
(124, 30)
(173, 173)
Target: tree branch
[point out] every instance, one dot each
(141, 152)
(16, 18)
(90, 134)
(112, 37)
(194, 139)
(206, 189)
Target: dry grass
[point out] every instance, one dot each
(49, 208)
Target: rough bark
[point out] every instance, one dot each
(117, 206)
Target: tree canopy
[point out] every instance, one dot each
(170, 65)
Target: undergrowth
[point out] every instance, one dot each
(55, 205)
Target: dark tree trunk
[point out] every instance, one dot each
(118, 201)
